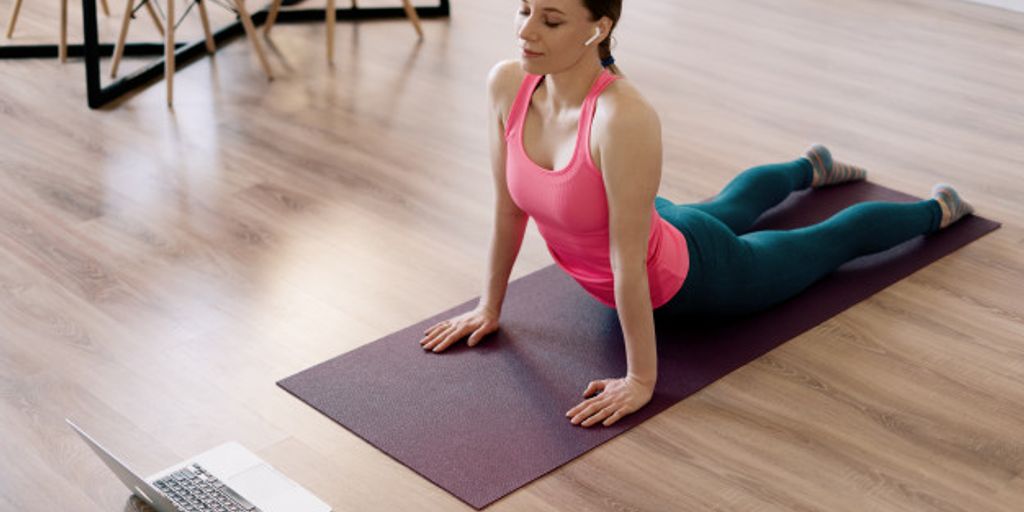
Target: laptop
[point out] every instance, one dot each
(228, 478)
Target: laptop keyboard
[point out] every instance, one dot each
(193, 489)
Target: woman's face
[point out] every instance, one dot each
(553, 31)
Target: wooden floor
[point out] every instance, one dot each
(160, 270)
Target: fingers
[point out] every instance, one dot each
(593, 410)
(613, 418)
(433, 333)
(593, 387)
(601, 414)
(429, 334)
(596, 408)
(479, 334)
(439, 325)
(455, 335)
(443, 334)
(597, 412)
(439, 338)
(475, 337)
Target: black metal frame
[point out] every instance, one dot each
(92, 49)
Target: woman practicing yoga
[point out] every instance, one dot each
(589, 173)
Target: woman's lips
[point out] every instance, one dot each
(528, 54)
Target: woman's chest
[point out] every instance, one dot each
(552, 142)
(573, 200)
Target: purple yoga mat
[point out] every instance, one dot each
(482, 422)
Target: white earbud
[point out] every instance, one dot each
(597, 34)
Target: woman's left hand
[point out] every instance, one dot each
(619, 398)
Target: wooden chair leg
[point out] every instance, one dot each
(156, 19)
(271, 17)
(331, 20)
(62, 50)
(14, 18)
(105, 7)
(210, 47)
(410, 11)
(121, 37)
(169, 53)
(250, 31)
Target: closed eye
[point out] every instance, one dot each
(552, 25)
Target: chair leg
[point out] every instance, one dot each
(169, 53)
(210, 47)
(156, 19)
(331, 20)
(105, 7)
(14, 18)
(250, 31)
(62, 50)
(354, 5)
(410, 11)
(271, 17)
(121, 37)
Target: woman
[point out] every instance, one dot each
(588, 173)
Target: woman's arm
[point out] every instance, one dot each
(632, 172)
(631, 167)
(509, 220)
(509, 227)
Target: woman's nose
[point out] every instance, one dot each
(526, 31)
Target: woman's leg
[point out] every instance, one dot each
(759, 188)
(741, 274)
(752, 192)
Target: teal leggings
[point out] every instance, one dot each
(734, 272)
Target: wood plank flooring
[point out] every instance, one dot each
(160, 270)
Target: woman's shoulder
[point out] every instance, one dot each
(621, 107)
(503, 83)
(622, 118)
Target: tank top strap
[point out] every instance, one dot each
(590, 106)
(521, 104)
(517, 112)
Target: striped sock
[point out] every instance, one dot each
(953, 206)
(831, 172)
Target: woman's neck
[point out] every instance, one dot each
(566, 90)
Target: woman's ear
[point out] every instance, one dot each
(605, 26)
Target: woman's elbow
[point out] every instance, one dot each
(632, 269)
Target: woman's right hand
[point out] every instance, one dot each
(480, 322)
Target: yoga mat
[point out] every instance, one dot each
(482, 422)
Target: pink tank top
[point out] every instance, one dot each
(570, 208)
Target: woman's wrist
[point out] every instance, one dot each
(646, 380)
(489, 308)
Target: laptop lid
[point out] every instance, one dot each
(137, 485)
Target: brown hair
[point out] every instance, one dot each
(612, 9)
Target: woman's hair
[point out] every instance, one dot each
(612, 9)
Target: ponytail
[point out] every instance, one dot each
(607, 61)
(613, 10)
